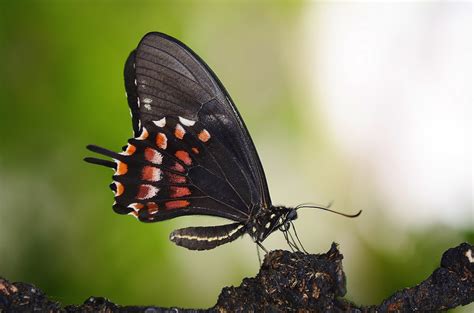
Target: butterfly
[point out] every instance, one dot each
(191, 153)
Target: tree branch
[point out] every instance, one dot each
(290, 282)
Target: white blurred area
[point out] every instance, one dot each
(395, 83)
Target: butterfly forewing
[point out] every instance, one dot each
(166, 78)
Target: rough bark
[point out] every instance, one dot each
(289, 282)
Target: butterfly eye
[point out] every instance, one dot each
(291, 215)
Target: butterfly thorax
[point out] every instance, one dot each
(266, 221)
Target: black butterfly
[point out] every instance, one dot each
(191, 153)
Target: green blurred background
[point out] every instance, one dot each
(61, 88)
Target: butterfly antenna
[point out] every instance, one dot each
(326, 208)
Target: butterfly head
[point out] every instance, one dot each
(289, 215)
(271, 220)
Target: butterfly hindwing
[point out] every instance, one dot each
(167, 172)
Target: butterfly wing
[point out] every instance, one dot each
(192, 153)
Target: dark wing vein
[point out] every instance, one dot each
(223, 173)
(173, 57)
(175, 71)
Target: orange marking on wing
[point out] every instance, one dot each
(176, 179)
(183, 156)
(144, 134)
(130, 149)
(133, 213)
(153, 156)
(151, 173)
(136, 206)
(176, 192)
(195, 150)
(179, 131)
(122, 168)
(178, 167)
(120, 189)
(204, 135)
(176, 204)
(161, 141)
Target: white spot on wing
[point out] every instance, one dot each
(160, 123)
(469, 256)
(147, 100)
(135, 206)
(186, 122)
(147, 106)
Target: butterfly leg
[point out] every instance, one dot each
(262, 247)
(258, 255)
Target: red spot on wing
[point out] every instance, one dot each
(176, 192)
(195, 150)
(152, 207)
(153, 156)
(161, 141)
(178, 167)
(146, 191)
(204, 135)
(177, 204)
(183, 156)
(151, 173)
(176, 179)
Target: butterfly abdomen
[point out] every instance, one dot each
(205, 238)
